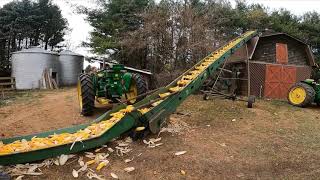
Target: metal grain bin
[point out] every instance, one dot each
(71, 65)
(28, 66)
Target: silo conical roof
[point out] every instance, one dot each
(33, 50)
(70, 53)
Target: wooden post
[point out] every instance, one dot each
(248, 71)
(13, 84)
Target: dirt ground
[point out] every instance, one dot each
(37, 111)
(223, 139)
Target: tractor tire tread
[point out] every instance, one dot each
(141, 85)
(88, 95)
(310, 94)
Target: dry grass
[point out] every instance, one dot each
(273, 140)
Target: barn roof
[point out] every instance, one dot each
(254, 42)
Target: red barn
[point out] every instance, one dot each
(276, 62)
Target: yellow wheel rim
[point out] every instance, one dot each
(297, 95)
(133, 93)
(79, 94)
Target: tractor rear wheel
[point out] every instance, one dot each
(138, 87)
(86, 95)
(301, 95)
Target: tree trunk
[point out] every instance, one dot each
(36, 38)
(8, 51)
(3, 53)
(46, 45)
(13, 43)
(46, 40)
(19, 44)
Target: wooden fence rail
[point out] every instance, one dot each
(7, 83)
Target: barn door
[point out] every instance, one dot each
(282, 53)
(278, 80)
(272, 81)
(289, 77)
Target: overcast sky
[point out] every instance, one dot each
(79, 28)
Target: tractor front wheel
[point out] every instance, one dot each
(138, 87)
(86, 95)
(301, 95)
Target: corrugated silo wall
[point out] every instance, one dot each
(27, 68)
(70, 68)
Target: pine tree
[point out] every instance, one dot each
(27, 23)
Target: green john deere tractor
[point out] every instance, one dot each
(109, 85)
(304, 93)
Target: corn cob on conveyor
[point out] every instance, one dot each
(149, 113)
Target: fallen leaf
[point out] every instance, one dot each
(183, 172)
(113, 175)
(122, 150)
(32, 168)
(75, 173)
(89, 153)
(240, 175)
(110, 150)
(90, 156)
(180, 153)
(83, 168)
(80, 161)
(155, 140)
(152, 142)
(91, 175)
(222, 144)
(129, 169)
(159, 144)
(19, 177)
(63, 159)
(128, 140)
(97, 150)
(33, 173)
(127, 160)
(48, 162)
(123, 144)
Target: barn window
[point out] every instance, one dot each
(281, 53)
